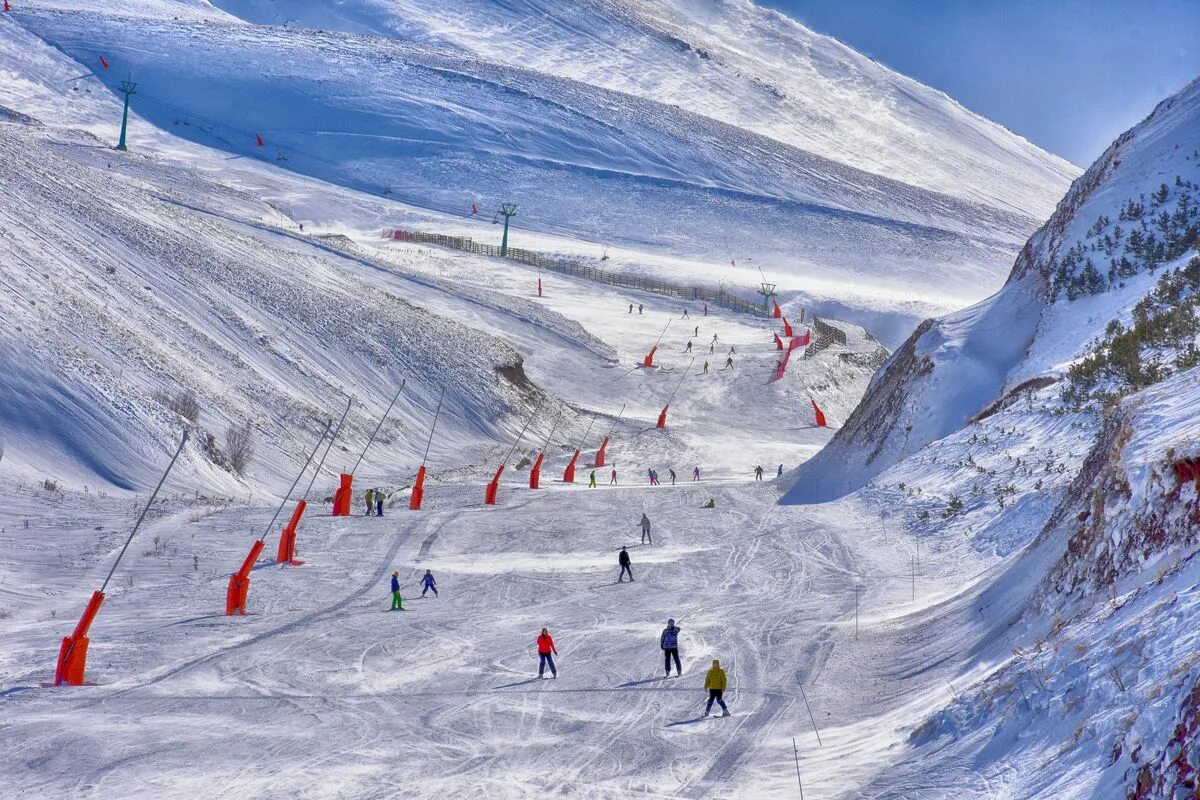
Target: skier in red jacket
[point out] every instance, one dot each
(545, 646)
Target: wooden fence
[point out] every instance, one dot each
(696, 294)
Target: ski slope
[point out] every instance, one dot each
(365, 96)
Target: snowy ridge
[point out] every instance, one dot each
(1026, 336)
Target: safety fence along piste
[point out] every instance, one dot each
(698, 294)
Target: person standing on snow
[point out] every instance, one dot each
(631, 308)
(428, 583)
(706, 309)
(669, 642)
(685, 316)
(705, 367)
(732, 351)
(379, 498)
(712, 347)
(623, 560)
(696, 473)
(645, 525)
(592, 480)
(729, 362)
(545, 646)
(639, 309)
(370, 502)
(397, 602)
(688, 349)
(612, 481)
(697, 333)
(672, 473)
(758, 472)
(779, 474)
(650, 475)
(715, 682)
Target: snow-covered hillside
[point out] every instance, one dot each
(1107, 281)
(1053, 427)
(718, 131)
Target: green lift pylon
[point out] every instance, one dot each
(129, 88)
(507, 210)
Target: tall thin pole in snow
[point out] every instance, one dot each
(142, 516)
(796, 753)
(286, 497)
(437, 413)
(380, 425)
(582, 441)
(680, 384)
(521, 435)
(810, 715)
(332, 439)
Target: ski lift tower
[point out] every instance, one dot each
(767, 291)
(128, 88)
(507, 210)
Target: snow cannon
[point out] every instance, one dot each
(535, 474)
(418, 491)
(569, 472)
(662, 417)
(343, 496)
(72, 654)
(287, 537)
(239, 582)
(489, 494)
(601, 452)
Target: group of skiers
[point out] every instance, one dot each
(651, 473)
(715, 680)
(427, 584)
(375, 498)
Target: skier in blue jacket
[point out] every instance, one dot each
(669, 642)
(428, 583)
(397, 602)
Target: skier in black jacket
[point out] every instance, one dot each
(623, 560)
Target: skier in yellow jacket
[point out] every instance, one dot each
(715, 682)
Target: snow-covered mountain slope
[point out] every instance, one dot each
(731, 61)
(688, 163)
(1100, 301)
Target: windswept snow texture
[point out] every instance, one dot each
(716, 131)
(1027, 335)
